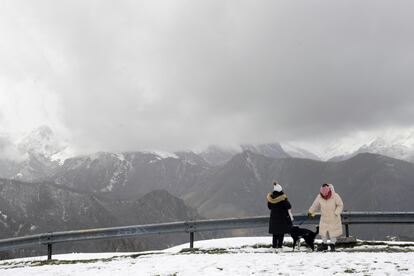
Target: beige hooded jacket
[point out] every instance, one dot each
(331, 210)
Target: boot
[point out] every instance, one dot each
(322, 247)
(332, 247)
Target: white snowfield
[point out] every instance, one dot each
(231, 256)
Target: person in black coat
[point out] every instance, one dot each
(280, 222)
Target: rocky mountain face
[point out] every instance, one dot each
(218, 156)
(31, 169)
(130, 174)
(237, 187)
(366, 182)
(30, 208)
(273, 150)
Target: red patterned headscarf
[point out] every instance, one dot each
(326, 192)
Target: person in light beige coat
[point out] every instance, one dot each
(330, 205)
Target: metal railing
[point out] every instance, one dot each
(191, 227)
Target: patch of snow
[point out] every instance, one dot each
(339, 149)
(190, 162)
(164, 154)
(62, 155)
(4, 216)
(253, 166)
(298, 152)
(18, 176)
(120, 173)
(120, 156)
(225, 243)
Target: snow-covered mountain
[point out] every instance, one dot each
(400, 146)
(273, 150)
(32, 157)
(131, 174)
(45, 150)
(40, 147)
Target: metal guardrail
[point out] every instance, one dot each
(191, 227)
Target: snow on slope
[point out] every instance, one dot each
(234, 256)
(298, 152)
(395, 143)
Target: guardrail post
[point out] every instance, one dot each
(189, 228)
(347, 230)
(49, 251)
(346, 223)
(191, 240)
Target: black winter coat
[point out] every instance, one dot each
(280, 222)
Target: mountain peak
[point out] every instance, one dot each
(273, 150)
(41, 141)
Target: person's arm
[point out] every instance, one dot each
(290, 214)
(339, 205)
(316, 205)
(288, 205)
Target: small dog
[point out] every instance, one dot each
(309, 236)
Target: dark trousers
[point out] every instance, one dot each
(277, 241)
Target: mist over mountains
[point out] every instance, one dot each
(19, 158)
(39, 193)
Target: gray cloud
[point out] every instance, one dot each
(9, 150)
(183, 74)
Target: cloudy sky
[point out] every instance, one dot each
(183, 74)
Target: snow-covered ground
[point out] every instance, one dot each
(232, 256)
